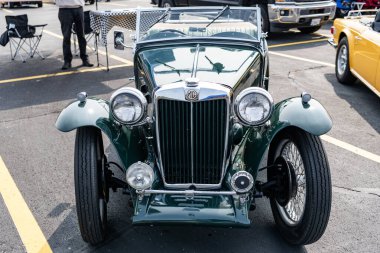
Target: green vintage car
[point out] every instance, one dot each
(195, 130)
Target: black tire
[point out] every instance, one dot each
(39, 4)
(316, 175)
(343, 74)
(11, 5)
(167, 3)
(265, 26)
(308, 30)
(92, 1)
(90, 188)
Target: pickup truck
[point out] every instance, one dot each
(13, 3)
(277, 15)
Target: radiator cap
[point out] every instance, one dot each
(192, 82)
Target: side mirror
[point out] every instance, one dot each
(118, 38)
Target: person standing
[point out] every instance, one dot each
(71, 12)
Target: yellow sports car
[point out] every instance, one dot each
(357, 39)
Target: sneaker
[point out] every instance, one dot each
(86, 63)
(66, 65)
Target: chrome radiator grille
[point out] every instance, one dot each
(192, 138)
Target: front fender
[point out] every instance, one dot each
(95, 112)
(78, 114)
(311, 117)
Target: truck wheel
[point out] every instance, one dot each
(92, 1)
(39, 4)
(11, 5)
(91, 189)
(303, 216)
(308, 30)
(167, 3)
(264, 18)
(342, 63)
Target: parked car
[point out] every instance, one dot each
(192, 133)
(357, 39)
(14, 3)
(344, 6)
(277, 15)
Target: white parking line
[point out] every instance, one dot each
(351, 148)
(302, 59)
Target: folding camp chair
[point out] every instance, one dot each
(23, 37)
(88, 32)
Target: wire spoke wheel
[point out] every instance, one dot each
(293, 211)
(304, 217)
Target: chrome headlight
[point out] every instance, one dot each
(140, 176)
(128, 105)
(254, 106)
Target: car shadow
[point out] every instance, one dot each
(360, 98)
(261, 236)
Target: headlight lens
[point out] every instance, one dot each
(128, 105)
(254, 106)
(140, 176)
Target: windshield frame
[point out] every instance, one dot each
(139, 33)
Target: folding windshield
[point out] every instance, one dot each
(213, 22)
(224, 65)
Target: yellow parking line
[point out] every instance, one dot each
(100, 51)
(302, 59)
(116, 4)
(61, 73)
(297, 43)
(351, 148)
(7, 10)
(26, 225)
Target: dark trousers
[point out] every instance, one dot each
(68, 17)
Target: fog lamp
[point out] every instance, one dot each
(140, 176)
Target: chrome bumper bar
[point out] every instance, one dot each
(332, 43)
(186, 192)
(289, 13)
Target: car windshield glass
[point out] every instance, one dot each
(216, 22)
(213, 63)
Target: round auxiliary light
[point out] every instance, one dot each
(254, 106)
(242, 182)
(128, 105)
(140, 176)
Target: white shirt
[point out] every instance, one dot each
(69, 3)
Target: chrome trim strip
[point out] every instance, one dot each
(195, 63)
(187, 192)
(208, 91)
(192, 141)
(332, 43)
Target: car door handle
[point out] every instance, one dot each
(358, 38)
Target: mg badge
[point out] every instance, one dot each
(192, 95)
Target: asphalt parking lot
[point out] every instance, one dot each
(37, 205)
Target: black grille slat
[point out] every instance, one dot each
(209, 130)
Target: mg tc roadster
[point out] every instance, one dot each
(197, 128)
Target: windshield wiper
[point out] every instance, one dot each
(218, 16)
(171, 67)
(218, 67)
(160, 18)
